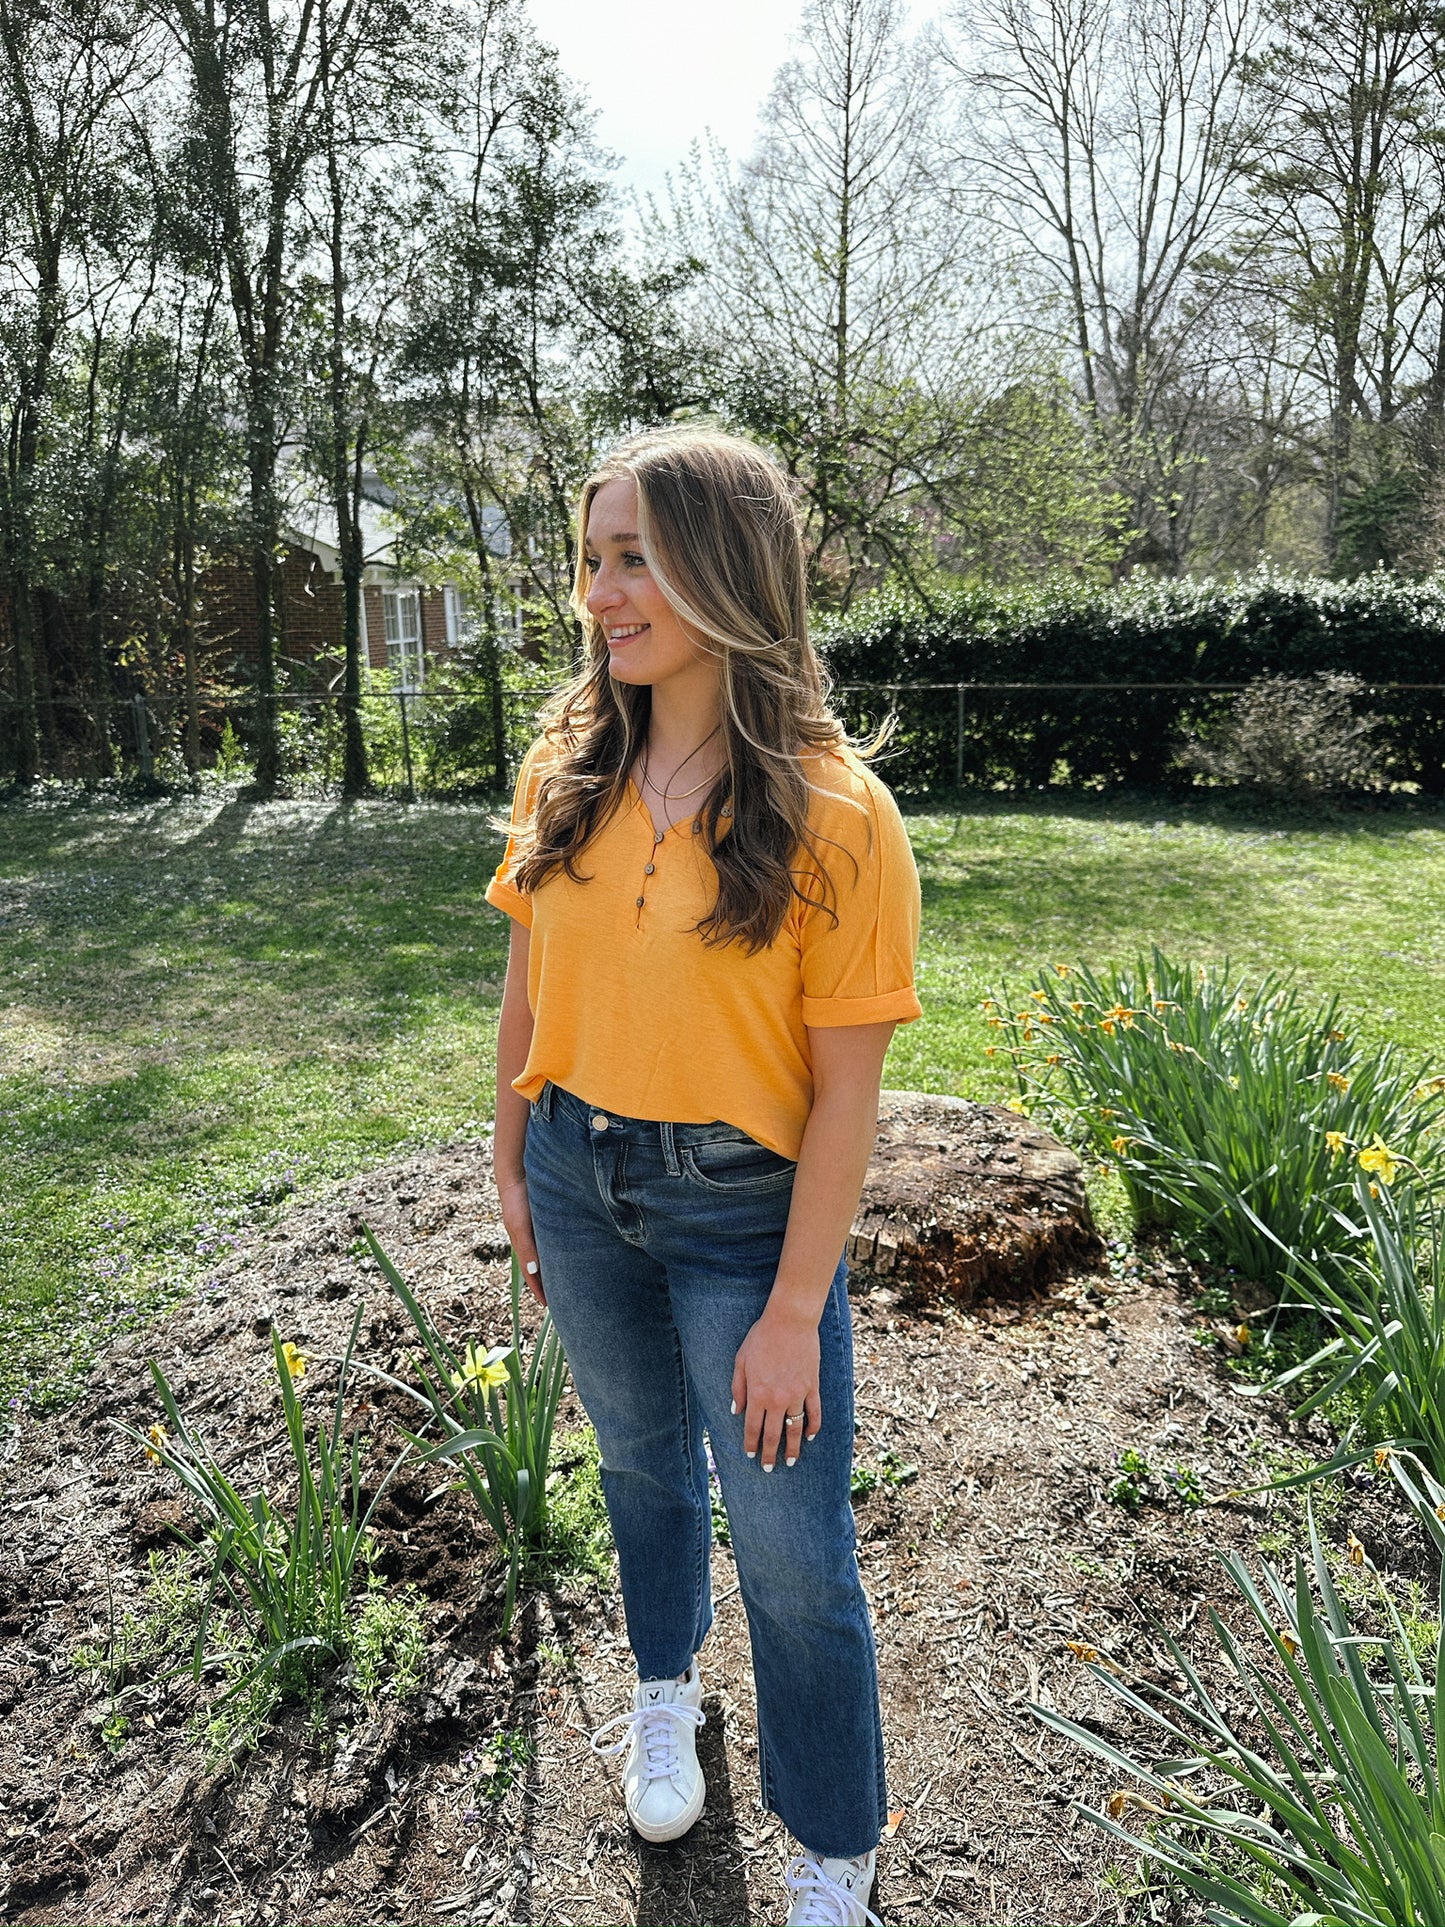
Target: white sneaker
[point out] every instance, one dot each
(831, 1892)
(662, 1784)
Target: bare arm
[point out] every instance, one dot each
(777, 1367)
(514, 1040)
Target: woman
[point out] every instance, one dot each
(715, 912)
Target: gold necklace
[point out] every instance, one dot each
(677, 796)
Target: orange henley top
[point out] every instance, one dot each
(634, 1013)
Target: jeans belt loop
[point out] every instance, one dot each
(669, 1151)
(544, 1100)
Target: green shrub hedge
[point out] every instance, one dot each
(1378, 627)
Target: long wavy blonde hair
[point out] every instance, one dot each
(720, 534)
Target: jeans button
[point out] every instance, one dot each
(600, 1120)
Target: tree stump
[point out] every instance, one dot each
(964, 1199)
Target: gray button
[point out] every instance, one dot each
(648, 869)
(639, 903)
(600, 1120)
(658, 835)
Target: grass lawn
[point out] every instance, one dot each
(208, 1006)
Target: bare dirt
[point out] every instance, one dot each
(983, 1566)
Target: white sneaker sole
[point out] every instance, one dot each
(659, 1836)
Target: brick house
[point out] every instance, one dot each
(408, 623)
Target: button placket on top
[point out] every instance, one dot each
(649, 869)
(658, 838)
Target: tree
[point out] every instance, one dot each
(263, 79)
(1102, 141)
(70, 74)
(1347, 212)
(530, 342)
(373, 237)
(835, 288)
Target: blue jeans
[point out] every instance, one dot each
(659, 1244)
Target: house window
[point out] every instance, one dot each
(401, 617)
(507, 615)
(461, 622)
(462, 619)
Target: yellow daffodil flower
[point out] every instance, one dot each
(1121, 1014)
(1382, 1456)
(1336, 1141)
(158, 1435)
(295, 1362)
(1039, 996)
(1337, 1037)
(1339, 1083)
(1381, 1161)
(1076, 1008)
(1061, 970)
(1053, 1058)
(1356, 1550)
(1242, 1335)
(481, 1370)
(1120, 1144)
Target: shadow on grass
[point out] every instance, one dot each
(229, 920)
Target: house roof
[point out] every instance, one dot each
(311, 525)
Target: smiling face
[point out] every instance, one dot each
(647, 641)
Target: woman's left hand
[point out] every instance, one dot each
(777, 1373)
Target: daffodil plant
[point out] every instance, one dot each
(1312, 1789)
(496, 1412)
(1235, 1113)
(1387, 1317)
(288, 1576)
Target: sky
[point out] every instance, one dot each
(661, 73)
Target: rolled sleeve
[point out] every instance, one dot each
(503, 895)
(859, 969)
(832, 1013)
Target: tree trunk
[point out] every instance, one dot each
(962, 1199)
(264, 541)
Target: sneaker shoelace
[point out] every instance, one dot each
(656, 1731)
(821, 1902)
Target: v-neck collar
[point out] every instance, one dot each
(648, 818)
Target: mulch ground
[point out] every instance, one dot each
(982, 1568)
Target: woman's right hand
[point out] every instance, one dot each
(517, 1217)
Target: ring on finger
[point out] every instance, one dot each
(794, 1418)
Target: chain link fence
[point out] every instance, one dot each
(947, 737)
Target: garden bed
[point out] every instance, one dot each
(988, 1445)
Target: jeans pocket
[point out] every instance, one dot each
(737, 1164)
